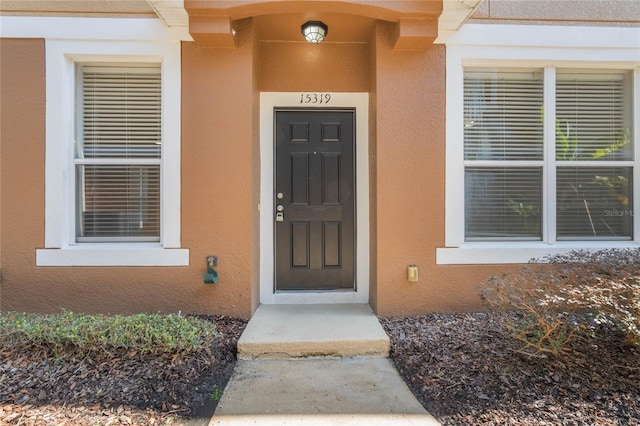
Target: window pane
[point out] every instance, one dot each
(503, 203)
(502, 116)
(118, 201)
(590, 117)
(121, 112)
(594, 203)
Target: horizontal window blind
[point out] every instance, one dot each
(502, 116)
(506, 169)
(119, 201)
(118, 156)
(121, 112)
(590, 117)
(594, 203)
(503, 203)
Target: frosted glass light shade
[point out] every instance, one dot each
(314, 31)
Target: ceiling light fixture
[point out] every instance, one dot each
(314, 31)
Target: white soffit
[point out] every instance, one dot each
(172, 12)
(454, 14)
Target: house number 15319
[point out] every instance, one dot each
(315, 98)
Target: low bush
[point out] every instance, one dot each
(142, 333)
(547, 294)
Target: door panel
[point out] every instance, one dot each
(315, 247)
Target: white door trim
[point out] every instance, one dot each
(268, 102)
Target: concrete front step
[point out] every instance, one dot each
(292, 331)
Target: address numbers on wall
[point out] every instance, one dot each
(315, 98)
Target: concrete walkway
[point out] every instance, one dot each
(316, 365)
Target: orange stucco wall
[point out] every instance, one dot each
(219, 195)
(220, 171)
(409, 186)
(220, 180)
(22, 73)
(292, 67)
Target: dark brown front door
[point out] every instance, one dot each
(314, 200)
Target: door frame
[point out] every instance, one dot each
(269, 102)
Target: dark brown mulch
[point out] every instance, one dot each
(118, 388)
(462, 367)
(466, 371)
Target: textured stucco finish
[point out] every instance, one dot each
(220, 172)
(220, 178)
(556, 11)
(416, 21)
(219, 195)
(22, 129)
(293, 67)
(77, 8)
(409, 186)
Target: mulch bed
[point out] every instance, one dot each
(466, 371)
(462, 367)
(118, 388)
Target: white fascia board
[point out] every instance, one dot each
(548, 36)
(454, 14)
(172, 12)
(74, 28)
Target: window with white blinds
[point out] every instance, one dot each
(504, 203)
(503, 151)
(118, 154)
(502, 116)
(593, 146)
(591, 123)
(511, 183)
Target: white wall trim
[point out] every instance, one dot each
(544, 47)
(61, 57)
(547, 37)
(112, 256)
(479, 254)
(83, 28)
(268, 102)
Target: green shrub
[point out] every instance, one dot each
(142, 333)
(547, 293)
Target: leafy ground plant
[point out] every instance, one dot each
(557, 296)
(216, 393)
(141, 333)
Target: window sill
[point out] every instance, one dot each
(507, 253)
(112, 255)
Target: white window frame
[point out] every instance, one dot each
(111, 46)
(529, 46)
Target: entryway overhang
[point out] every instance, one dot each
(211, 22)
(417, 23)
